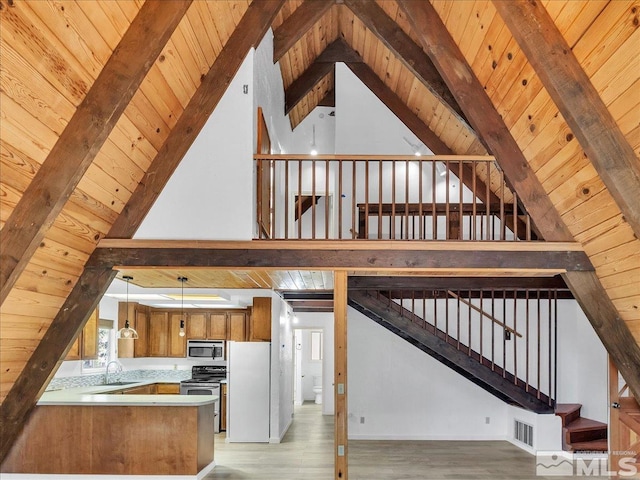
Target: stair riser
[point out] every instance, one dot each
(570, 417)
(585, 436)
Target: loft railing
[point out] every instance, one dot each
(511, 332)
(386, 198)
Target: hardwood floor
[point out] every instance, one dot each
(307, 453)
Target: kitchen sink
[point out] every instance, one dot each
(115, 384)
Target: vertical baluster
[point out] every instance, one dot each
(421, 223)
(458, 333)
(526, 297)
(515, 337)
(502, 230)
(515, 216)
(326, 199)
(489, 236)
(446, 318)
(424, 309)
(493, 332)
(504, 334)
(366, 199)
(272, 200)
(380, 186)
(481, 322)
(354, 192)
(469, 324)
(549, 351)
(447, 201)
(406, 199)
(393, 200)
(435, 309)
(413, 305)
(555, 344)
(474, 226)
(460, 206)
(434, 215)
(313, 198)
(538, 346)
(339, 199)
(286, 199)
(299, 202)
(528, 219)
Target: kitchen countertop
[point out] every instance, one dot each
(103, 395)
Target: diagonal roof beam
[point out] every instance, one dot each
(405, 49)
(249, 32)
(305, 83)
(578, 101)
(83, 137)
(299, 23)
(586, 287)
(17, 406)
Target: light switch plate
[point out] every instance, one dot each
(341, 389)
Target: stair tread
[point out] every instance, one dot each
(590, 446)
(585, 424)
(566, 408)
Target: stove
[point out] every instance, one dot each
(205, 380)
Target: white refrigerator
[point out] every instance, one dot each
(249, 392)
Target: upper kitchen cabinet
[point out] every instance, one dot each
(138, 316)
(85, 346)
(158, 334)
(260, 323)
(237, 322)
(177, 344)
(218, 325)
(197, 325)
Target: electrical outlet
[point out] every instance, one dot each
(361, 419)
(487, 420)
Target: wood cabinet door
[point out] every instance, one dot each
(238, 326)
(260, 323)
(223, 408)
(218, 326)
(158, 334)
(89, 338)
(74, 351)
(167, 388)
(197, 326)
(177, 344)
(141, 345)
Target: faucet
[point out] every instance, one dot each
(118, 370)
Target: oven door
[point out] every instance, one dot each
(208, 389)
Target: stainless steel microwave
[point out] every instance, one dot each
(205, 349)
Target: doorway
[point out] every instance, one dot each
(308, 371)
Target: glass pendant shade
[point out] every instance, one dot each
(127, 331)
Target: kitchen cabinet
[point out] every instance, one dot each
(142, 390)
(177, 344)
(260, 321)
(85, 346)
(237, 322)
(218, 326)
(197, 325)
(223, 407)
(138, 316)
(158, 334)
(167, 388)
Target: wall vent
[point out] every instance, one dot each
(523, 433)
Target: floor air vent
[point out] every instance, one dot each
(523, 433)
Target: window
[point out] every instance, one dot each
(106, 348)
(316, 346)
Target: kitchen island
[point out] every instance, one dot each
(96, 430)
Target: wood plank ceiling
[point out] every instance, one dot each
(52, 53)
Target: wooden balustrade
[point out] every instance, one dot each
(386, 197)
(512, 332)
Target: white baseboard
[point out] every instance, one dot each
(426, 437)
(284, 432)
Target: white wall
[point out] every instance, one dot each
(210, 195)
(308, 368)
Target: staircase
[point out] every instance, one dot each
(442, 346)
(581, 434)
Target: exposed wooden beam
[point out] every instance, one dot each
(406, 50)
(454, 283)
(445, 54)
(349, 255)
(578, 101)
(339, 51)
(84, 135)
(340, 376)
(50, 352)
(297, 25)
(329, 100)
(305, 83)
(252, 27)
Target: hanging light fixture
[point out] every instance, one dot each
(127, 331)
(181, 332)
(314, 149)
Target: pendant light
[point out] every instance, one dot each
(127, 331)
(181, 332)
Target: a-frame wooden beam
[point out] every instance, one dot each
(297, 25)
(249, 32)
(578, 101)
(84, 135)
(341, 422)
(305, 83)
(586, 287)
(406, 50)
(94, 281)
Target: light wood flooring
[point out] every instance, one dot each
(306, 452)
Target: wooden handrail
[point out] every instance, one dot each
(482, 312)
(377, 158)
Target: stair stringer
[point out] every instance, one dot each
(445, 353)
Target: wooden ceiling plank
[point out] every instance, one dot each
(578, 101)
(73, 154)
(586, 287)
(411, 55)
(305, 84)
(249, 32)
(297, 25)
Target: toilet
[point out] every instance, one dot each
(317, 389)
